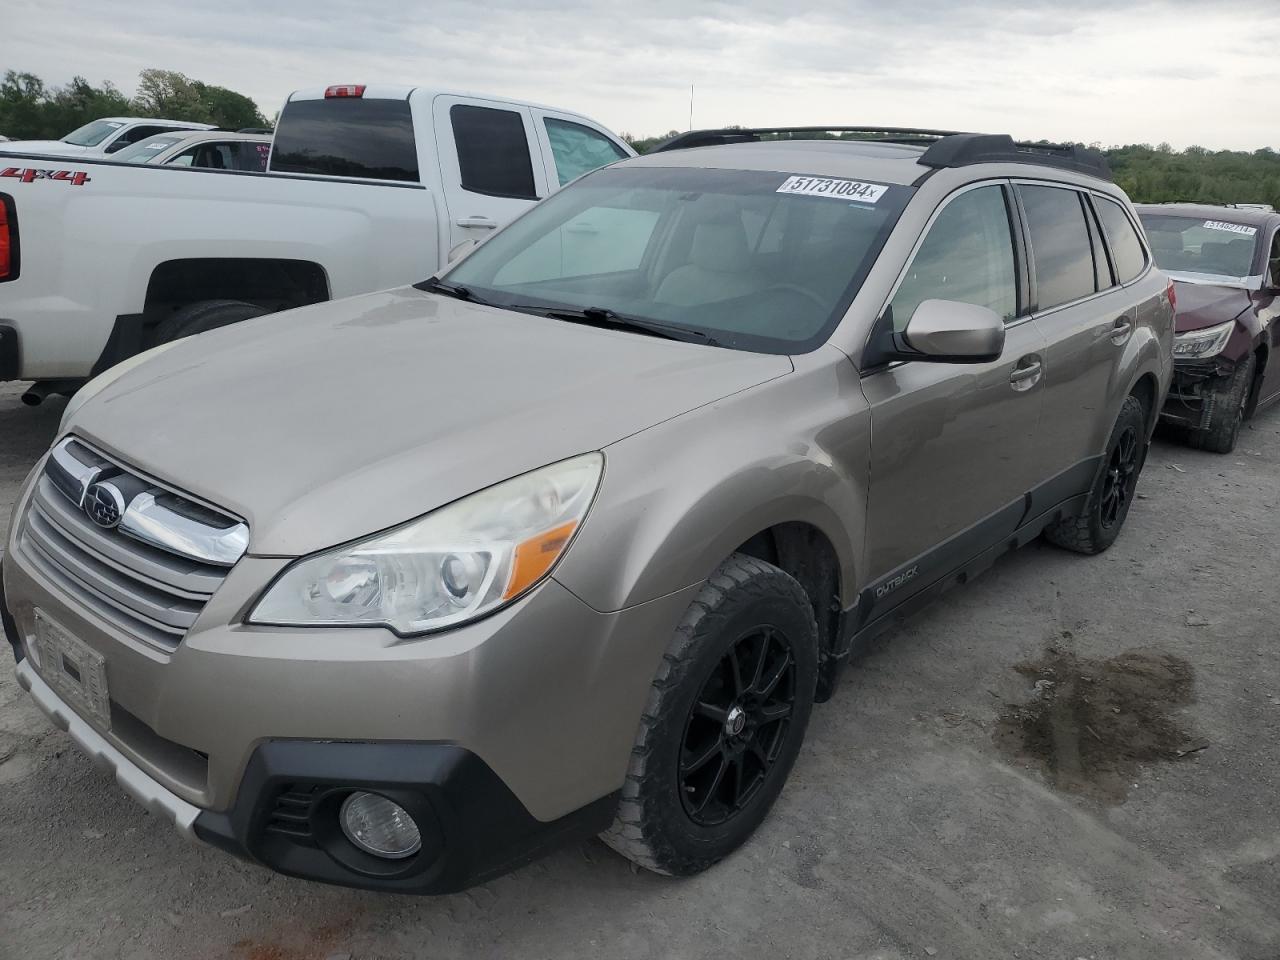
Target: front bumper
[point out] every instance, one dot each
(508, 734)
(1189, 402)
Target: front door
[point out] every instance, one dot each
(490, 162)
(952, 444)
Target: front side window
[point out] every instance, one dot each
(1060, 247)
(723, 254)
(966, 256)
(1199, 247)
(578, 149)
(493, 151)
(92, 134)
(1126, 248)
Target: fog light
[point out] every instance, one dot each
(378, 826)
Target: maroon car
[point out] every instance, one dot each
(1225, 264)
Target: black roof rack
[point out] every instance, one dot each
(945, 148)
(712, 138)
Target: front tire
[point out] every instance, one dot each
(1230, 403)
(726, 717)
(1112, 493)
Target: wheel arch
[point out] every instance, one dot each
(276, 284)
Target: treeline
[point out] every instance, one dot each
(31, 110)
(1161, 174)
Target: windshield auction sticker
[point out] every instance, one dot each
(838, 189)
(1239, 228)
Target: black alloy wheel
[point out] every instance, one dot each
(738, 724)
(1121, 477)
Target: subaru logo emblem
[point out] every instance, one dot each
(104, 503)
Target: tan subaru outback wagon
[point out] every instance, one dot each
(400, 591)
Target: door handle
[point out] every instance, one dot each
(1123, 327)
(1026, 374)
(484, 223)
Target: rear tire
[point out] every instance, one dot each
(1230, 403)
(1112, 493)
(726, 717)
(203, 316)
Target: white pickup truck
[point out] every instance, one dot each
(367, 188)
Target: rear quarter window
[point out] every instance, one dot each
(1126, 249)
(347, 137)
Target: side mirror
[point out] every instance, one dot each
(117, 146)
(943, 331)
(461, 251)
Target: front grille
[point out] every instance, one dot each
(147, 591)
(290, 815)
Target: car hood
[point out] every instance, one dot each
(1203, 305)
(50, 147)
(328, 423)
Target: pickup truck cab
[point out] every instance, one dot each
(368, 187)
(100, 138)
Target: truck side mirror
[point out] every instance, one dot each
(461, 251)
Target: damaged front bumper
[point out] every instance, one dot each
(1193, 393)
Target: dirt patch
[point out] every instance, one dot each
(1090, 724)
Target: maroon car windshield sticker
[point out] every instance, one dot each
(73, 177)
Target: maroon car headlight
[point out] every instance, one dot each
(1198, 344)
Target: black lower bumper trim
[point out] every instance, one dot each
(8, 628)
(473, 827)
(10, 353)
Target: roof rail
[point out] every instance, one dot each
(711, 138)
(945, 148)
(964, 149)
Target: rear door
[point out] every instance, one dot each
(952, 444)
(487, 162)
(1086, 315)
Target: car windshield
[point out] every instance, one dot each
(92, 134)
(754, 260)
(144, 150)
(1202, 246)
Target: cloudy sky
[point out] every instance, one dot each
(1112, 71)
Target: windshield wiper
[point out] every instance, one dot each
(436, 285)
(604, 317)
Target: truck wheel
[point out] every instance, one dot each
(205, 315)
(1230, 402)
(725, 719)
(1112, 492)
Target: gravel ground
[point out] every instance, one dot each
(1070, 758)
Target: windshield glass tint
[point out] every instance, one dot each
(719, 252)
(92, 134)
(1215, 248)
(347, 137)
(144, 150)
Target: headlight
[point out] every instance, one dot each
(455, 564)
(104, 380)
(1198, 344)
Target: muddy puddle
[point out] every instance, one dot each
(1089, 725)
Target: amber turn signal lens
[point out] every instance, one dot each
(535, 556)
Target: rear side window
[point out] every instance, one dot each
(1060, 247)
(967, 256)
(493, 151)
(347, 137)
(1126, 248)
(578, 149)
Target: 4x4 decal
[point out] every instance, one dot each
(73, 177)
